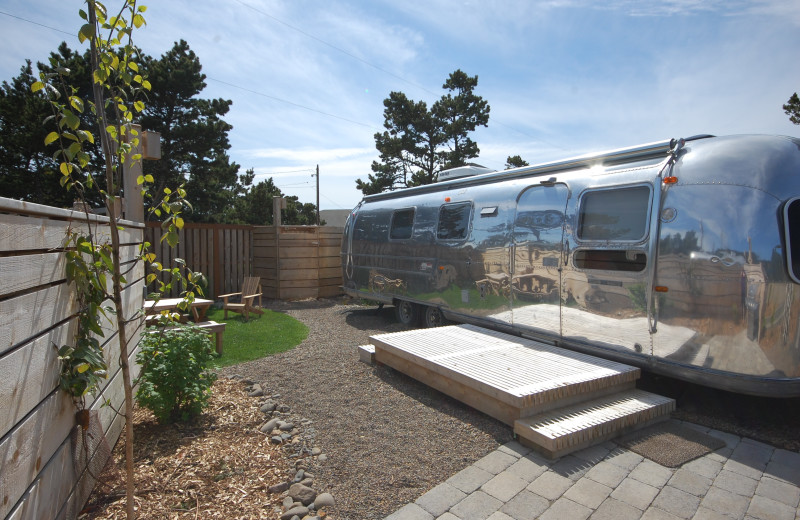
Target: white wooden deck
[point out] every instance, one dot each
(513, 379)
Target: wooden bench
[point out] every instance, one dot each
(212, 327)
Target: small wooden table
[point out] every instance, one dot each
(199, 306)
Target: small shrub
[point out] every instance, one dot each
(175, 383)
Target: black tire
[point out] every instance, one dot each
(434, 317)
(406, 312)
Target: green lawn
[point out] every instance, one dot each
(261, 336)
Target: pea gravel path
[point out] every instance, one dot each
(388, 438)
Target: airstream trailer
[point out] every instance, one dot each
(681, 257)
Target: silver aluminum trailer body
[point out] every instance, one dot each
(679, 257)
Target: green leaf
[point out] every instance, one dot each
(139, 106)
(149, 178)
(138, 21)
(37, 86)
(51, 137)
(133, 66)
(83, 367)
(86, 32)
(66, 168)
(146, 85)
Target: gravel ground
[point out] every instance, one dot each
(390, 438)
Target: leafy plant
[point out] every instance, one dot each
(175, 382)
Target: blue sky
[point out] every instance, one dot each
(563, 77)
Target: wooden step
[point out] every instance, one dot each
(504, 376)
(558, 432)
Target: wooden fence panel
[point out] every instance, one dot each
(43, 467)
(223, 253)
(297, 262)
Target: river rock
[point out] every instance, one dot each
(302, 493)
(323, 500)
(279, 488)
(256, 391)
(268, 406)
(299, 512)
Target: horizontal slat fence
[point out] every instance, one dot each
(46, 461)
(222, 252)
(298, 262)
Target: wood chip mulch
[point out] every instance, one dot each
(219, 465)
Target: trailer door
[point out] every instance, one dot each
(537, 259)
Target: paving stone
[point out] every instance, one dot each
(677, 502)
(725, 502)
(528, 468)
(690, 482)
(504, 486)
(448, 516)
(592, 454)
(655, 513)
(565, 508)
(550, 485)
(613, 509)
(752, 472)
(496, 461)
(705, 467)
(624, 458)
(514, 448)
(497, 515)
(571, 467)
(589, 493)
(635, 493)
(525, 506)
(790, 458)
(730, 439)
(469, 479)
(410, 512)
(651, 473)
(778, 490)
(736, 483)
(767, 509)
(441, 498)
(787, 471)
(477, 506)
(607, 473)
(693, 426)
(755, 455)
(703, 513)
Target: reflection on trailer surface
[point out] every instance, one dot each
(681, 257)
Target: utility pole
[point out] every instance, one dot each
(318, 195)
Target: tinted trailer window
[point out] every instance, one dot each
(454, 221)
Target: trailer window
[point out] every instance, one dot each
(454, 221)
(791, 226)
(619, 214)
(402, 224)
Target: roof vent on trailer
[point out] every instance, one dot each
(463, 171)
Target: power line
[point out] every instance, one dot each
(37, 23)
(286, 101)
(284, 171)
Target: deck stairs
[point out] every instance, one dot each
(557, 400)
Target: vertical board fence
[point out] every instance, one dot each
(47, 463)
(297, 262)
(223, 253)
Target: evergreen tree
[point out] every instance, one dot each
(418, 143)
(792, 109)
(515, 161)
(194, 137)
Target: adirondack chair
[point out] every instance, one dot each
(251, 288)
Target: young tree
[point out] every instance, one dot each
(792, 109)
(418, 142)
(117, 89)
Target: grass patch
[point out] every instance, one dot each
(261, 336)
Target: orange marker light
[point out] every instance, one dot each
(447, 199)
(670, 180)
(661, 288)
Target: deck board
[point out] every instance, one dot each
(523, 373)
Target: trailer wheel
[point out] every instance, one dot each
(407, 313)
(434, 317)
